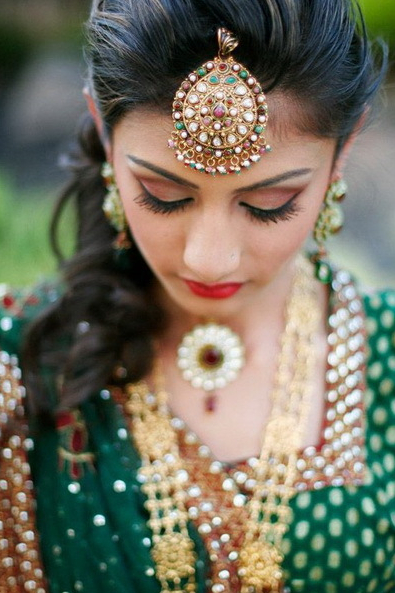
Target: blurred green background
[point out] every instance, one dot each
(41, 76)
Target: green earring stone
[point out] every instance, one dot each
(323, 271)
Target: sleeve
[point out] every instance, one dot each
(18, 308)
(380, 325)
(20, 563)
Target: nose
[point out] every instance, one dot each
(212, 252)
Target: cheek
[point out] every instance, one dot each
(150, 231)
(158, 241)
(276, 243)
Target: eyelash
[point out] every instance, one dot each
(158, 206)
(284, 212)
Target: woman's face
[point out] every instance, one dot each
(216, 244)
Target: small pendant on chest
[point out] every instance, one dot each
(209, 357)
(210, 402)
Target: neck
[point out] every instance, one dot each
(261, 315)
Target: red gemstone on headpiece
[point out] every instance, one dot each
(223, 67)
(219, 111)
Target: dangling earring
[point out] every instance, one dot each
(113, 209)
(329, 222)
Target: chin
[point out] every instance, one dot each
(207, 307)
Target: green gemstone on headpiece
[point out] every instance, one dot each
(214, 79)
(243, 74)
(179, 125)
(258, 129)
(201, 71)
(230, 80)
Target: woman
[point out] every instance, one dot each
(209, 410)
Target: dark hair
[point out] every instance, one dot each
(316, 52)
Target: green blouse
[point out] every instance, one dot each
(90, 509)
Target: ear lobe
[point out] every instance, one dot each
(93, 110)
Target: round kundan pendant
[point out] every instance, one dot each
(210, 356)
(220, 115)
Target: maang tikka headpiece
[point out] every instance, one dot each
(220, 115)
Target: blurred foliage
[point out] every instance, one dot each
(24, 27)
(24, 237)
(380, 16)
(15, 48)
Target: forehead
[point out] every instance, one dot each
(144, 133)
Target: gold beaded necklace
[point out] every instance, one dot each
(163, 476)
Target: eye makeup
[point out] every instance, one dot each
(158, 206)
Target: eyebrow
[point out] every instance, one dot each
(258, 185)
(161, 172)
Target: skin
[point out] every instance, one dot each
(215, 240)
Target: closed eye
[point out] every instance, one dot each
(154, 204)
(284, 212)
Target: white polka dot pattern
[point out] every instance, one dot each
(349, 545)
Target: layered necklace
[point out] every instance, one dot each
(164, 478)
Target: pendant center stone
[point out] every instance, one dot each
(211, 357)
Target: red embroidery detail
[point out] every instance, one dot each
(8, 301)
(32, 300)
(78, 440)
(65, 419)
(73, 452)
(75, 470)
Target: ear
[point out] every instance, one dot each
(342, 158)
(93, 110)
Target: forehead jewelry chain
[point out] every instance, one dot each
(220, 115)
(164, 480)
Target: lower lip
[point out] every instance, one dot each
(219, 291)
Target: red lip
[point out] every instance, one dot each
(214, 291)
